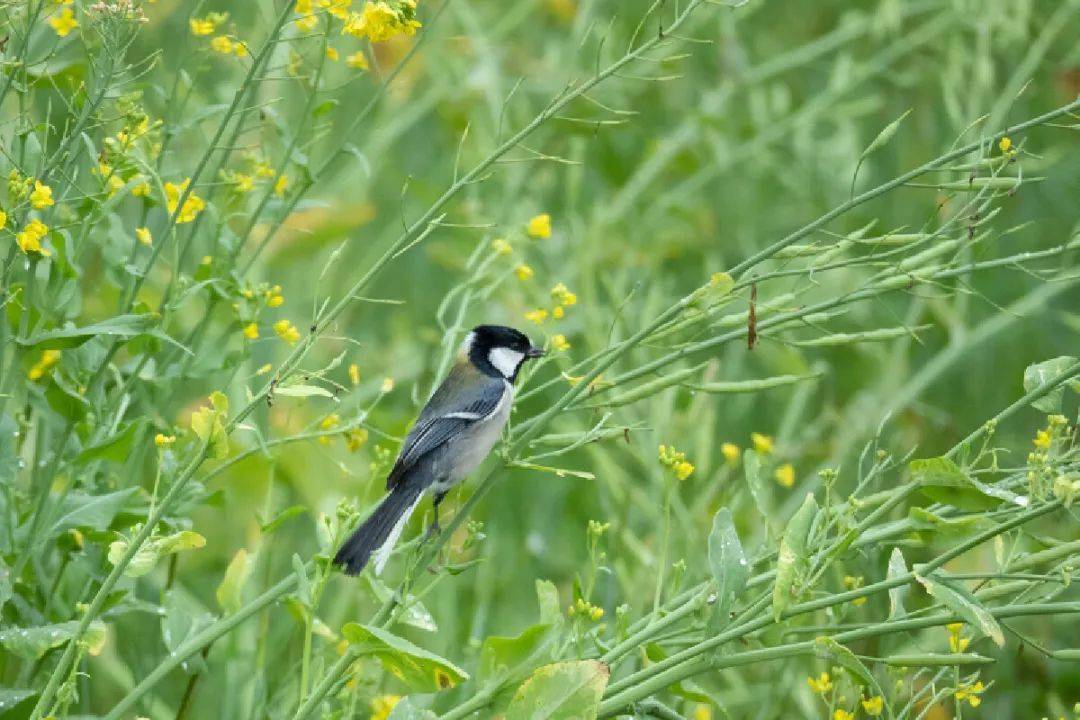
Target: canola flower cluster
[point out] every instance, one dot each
(676, 462)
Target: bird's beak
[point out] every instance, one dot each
(534, 352)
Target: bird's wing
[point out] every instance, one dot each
(464, 398)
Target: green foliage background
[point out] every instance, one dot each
(722, 138)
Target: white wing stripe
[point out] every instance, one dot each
(383, 553)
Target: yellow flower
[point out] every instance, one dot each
(821, 685)
(303, 7)
(958, 644)
(563, 296)
(355, 439)
(329, 422)
(703, 712)
(243, 183)
(675, 461)
(1042, 439)
(379, 22)
(559, 343)
(537, 316)
(785, 475)
(970, 693)
(731, 452)
(762, 443)
(683, 470)
(240, 49)
(873, 706)
(501, 247)
(263, 169)
(193, 204)
(539, 226)
(387, 384)
(357, 61)
(64, 22)
(141, 190)
(264, 369)
(354, 374)
(558, 312)
(841, 714)
(275, 298)
(41, 197)
(523, 271)
(854, 583)
(162, 440)
(595, 613)
(281, 185)
(287, 331)
(222, 44)
(332, 54)
(307, 23)
(42, 366)
(251, 331)
(201, 26)
(30, 237)
(1005, 144)
(382, 705)
(143, 235)
(3, 219)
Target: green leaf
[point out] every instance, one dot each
(147, 556)
(897, 568)
(942, 480)
(281, 517)
(547, 596)
(208, 423)
(92, 511)
(231, 590)
(1045, 372)
(121, 326)
(563, 691)
(183, 617)
(406, 709)
(923, 519)
(116, 448)
(829, 648)
(10, 697)
(420, 670)
(32, 643)
(303, 391)
(727, 561)
(752, 473)
(414, 611)
(964, 604)
(511, 659)
(793, 554)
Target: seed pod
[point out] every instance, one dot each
(937, 660)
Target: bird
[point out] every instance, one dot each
(455, 431)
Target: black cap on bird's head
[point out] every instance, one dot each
(499, 350)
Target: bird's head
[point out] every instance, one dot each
(498, 350)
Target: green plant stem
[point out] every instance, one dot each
(702, 663)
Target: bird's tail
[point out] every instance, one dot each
(380, 532)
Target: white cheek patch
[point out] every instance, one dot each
(505, 360)
(466, 344)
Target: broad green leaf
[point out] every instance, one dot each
(32, 643)
(231, 590)
(792, 555)
(942, 480)
(180, 541)
(420, 670)
(562, 691)
(183, 617)
(964, 604)
(116, 448)
(727, 561)
(511, 659)
(897, 568)
(10, 697)
(92, 511)
(1045, 372)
